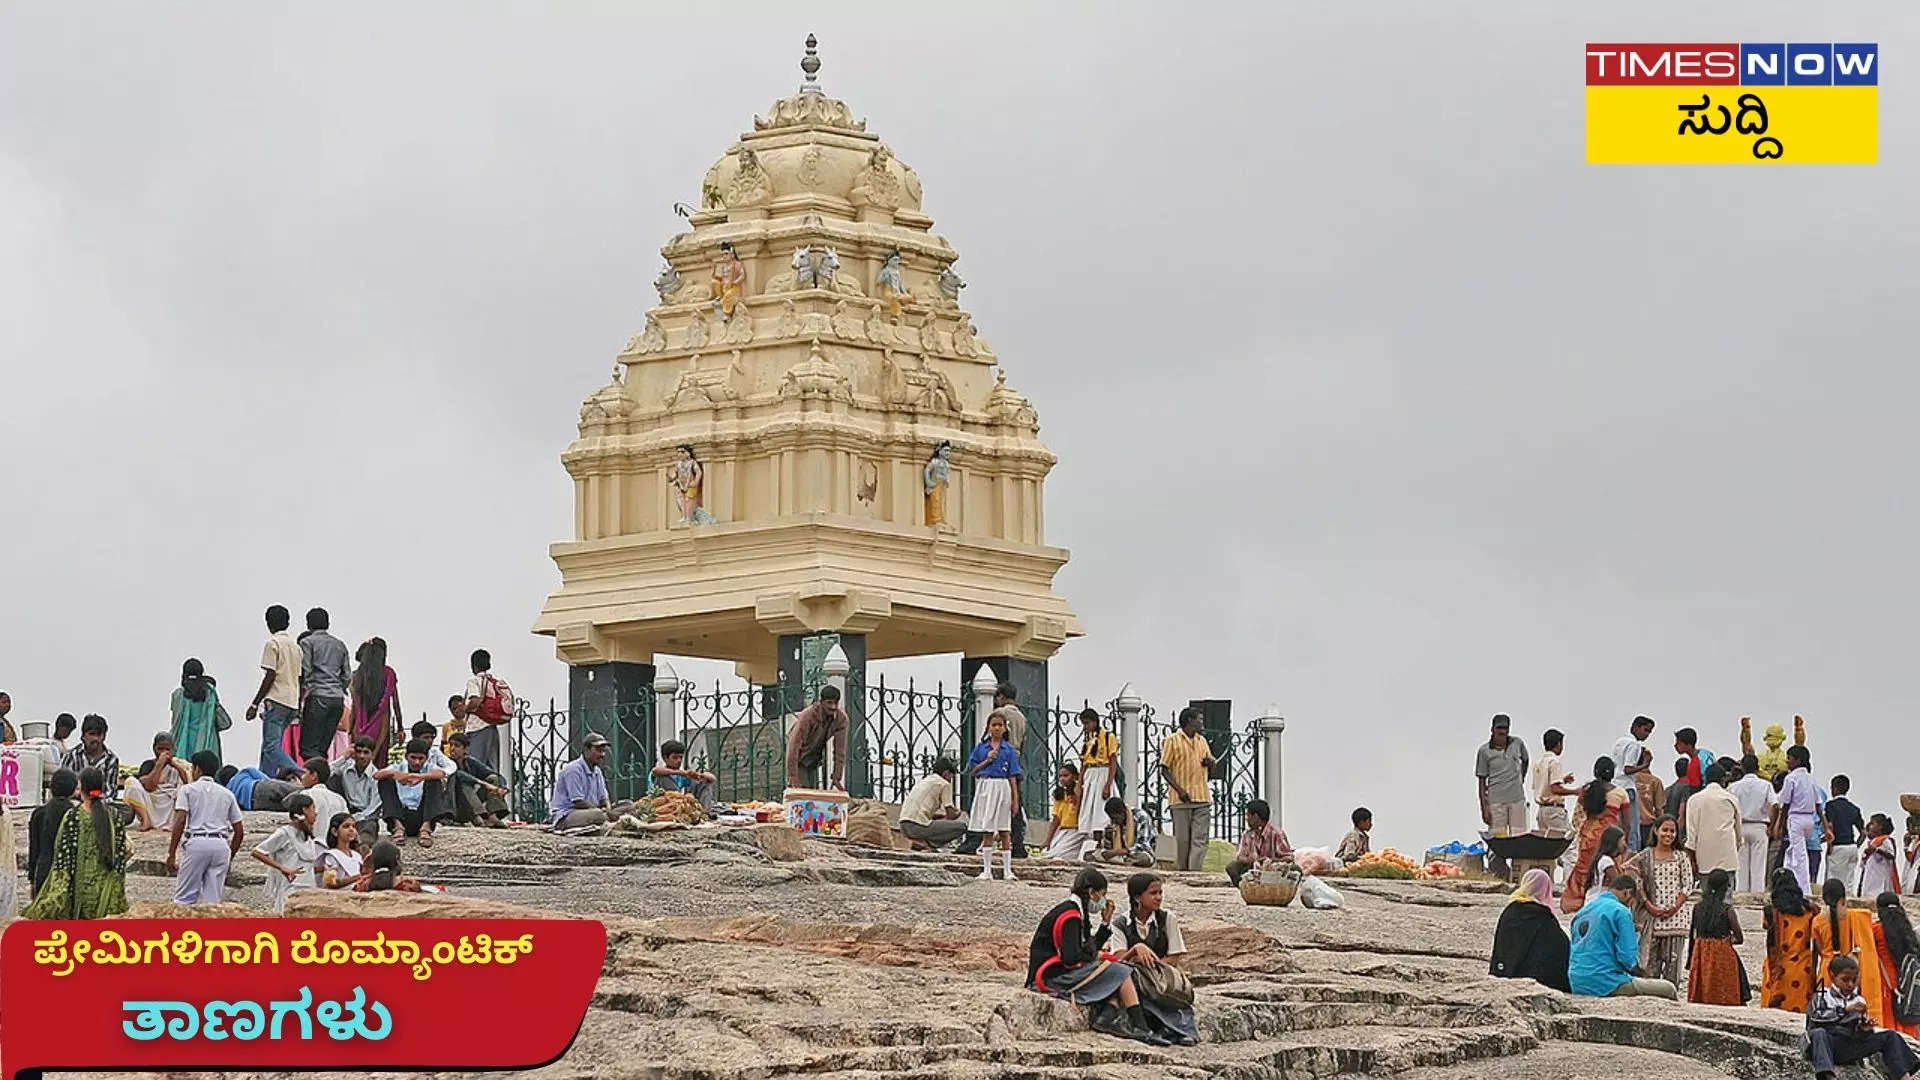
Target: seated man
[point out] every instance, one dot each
(154, 790)
(672, 774)
(479, 798)
(1605, 959)
(326, 801)
(353, 779)
(929, 818)
(1259, 841)
(1126, 839)
(413, 796)
(1839, 1032)
(580, 789)
(92, 753)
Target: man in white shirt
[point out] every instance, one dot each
(1628, 766)
(929, 817)
(277, 702)
(1713, 824)
(1757, 800)
(1550, 785)
(326, 801)
(206, 818)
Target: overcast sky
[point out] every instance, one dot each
(1371, 398)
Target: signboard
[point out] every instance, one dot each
(20, 775)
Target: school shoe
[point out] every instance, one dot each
(984, 875)
(1009, 875)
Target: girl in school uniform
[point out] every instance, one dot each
(995, 767)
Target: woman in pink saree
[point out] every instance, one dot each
(374, 700)
(1601, 805)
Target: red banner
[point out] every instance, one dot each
(286, 994)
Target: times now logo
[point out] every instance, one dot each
(1734, 64)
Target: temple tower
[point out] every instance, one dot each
(808, 442)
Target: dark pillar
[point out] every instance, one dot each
(799, 667)
(1029, 679)
(614, 699)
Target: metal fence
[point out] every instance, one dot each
(739, 735)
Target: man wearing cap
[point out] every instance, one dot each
(1501, 766)
(580, 790)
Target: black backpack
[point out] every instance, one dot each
(1906, 990)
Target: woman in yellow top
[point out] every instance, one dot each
(1067, 841)
(1099, 749)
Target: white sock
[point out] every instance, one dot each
(986, 859)
(1006, 861)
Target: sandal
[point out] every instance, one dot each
(426, 839)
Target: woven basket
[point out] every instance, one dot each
(1268, 894)
(1910, 803)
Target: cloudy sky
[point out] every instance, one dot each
(1372, 399)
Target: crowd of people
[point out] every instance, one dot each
(329, 721)
(1651, 871)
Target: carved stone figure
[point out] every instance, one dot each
(751, 186)
(846, 325)
(1773, 760)
(710, 387)
(922, 388)
(789, 325)
(610, 402)
(816, 377)
(867, 489)
(809, 173)
(688, 477)
(740, 328)
(876, 185)
(825, 264)
(930, 334)
(877, 330)
(891, 283)
(963, 339)
(650, 339)
(933, 481)
(950, 284)
(697, 332)
(729, 281)
(667, 284)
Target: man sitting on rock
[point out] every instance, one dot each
(1605, 960)
(1126, 839)
(672, 774)
(929, 819)
(1259, 842)
(413, 796)
(479, 796)
(580, 789)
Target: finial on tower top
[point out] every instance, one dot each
(810, 64)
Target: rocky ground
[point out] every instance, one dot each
(744, 954)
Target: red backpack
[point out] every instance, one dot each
(496, 699)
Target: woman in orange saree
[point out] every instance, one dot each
(1601, 805)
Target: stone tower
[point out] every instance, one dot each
(808, 441)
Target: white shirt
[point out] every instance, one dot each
(345, 865)
(288, 847)
(1620, 761)
(1546, 773)
(328, 803)
(1756, 799)
(1602, 874)
(1176, 941)
(210, 808)
(927, 799)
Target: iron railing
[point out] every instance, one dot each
(740, 734)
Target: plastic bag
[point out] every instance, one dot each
(1317, 894)
(1316, 861)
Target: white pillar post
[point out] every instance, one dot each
(1271, 728)
(836, 668)
(666, 703)
(985, 684)
(1133, 744)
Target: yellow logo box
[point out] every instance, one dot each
(1733, 125)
